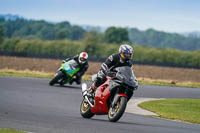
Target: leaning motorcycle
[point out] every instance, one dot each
(65, 73)
(111, 97)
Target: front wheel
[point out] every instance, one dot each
(85, 109)
(116, 112)
(56, 78)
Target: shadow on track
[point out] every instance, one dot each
(68, 86)
(119, 122)
(155, 125)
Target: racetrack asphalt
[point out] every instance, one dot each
(31, 104)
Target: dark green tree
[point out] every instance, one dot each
(61, 25)
(23, 31)
(76, 33)
(47, 33)
(116, 35)
(62, 34)
(1, 33)
(91, 39)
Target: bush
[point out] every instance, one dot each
(63, 48)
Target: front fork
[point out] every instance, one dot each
(116, 99)
(64, 78)
(85, 92)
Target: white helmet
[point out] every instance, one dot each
(83, 56)
(125, 51)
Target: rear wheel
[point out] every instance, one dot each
(116, 112)
(56, 78)
(85, 109)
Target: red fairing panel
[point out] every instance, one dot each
(101, 97)
(124, 95)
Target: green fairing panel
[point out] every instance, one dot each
(71, 67)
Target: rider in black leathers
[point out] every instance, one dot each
(81, 59)
(123, 58)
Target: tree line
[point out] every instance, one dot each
(31, 29)
(159, 39)
(39, 29)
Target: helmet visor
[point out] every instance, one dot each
(127, 55)
(83, 59)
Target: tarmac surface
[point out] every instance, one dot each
(32, 105)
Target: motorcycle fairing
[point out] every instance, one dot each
(70, 67)
(113, 85)
(101, 96)
(125, 75)
(124, 80)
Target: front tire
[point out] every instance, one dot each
(85, 109)
(116, 112)
(55, 79)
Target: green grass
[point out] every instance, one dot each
(36, 74)
(3, 130)
(25, 73)
(169, 83)
(187, 110)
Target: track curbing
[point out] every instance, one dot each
(133, 107)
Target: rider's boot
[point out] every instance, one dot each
(62, 82)
(71, 82)
(91, 90)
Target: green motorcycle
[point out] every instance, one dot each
(65, 73)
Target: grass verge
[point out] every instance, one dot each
(144, 81)
(3, 130)
(187, 110)
(25, 73)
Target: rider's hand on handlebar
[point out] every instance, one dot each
(111, 74)
(136, 88)
(78, 74)
(136, 85)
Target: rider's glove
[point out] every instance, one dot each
(78, 74)
(110, 74)
(136, 87)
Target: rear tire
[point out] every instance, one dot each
(116, 112)
(55, 79)
(85, 109)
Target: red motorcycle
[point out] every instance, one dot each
(111, 97)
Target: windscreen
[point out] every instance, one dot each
(73, 64)
(126, 75)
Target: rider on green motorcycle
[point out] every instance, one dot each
(82, 60)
